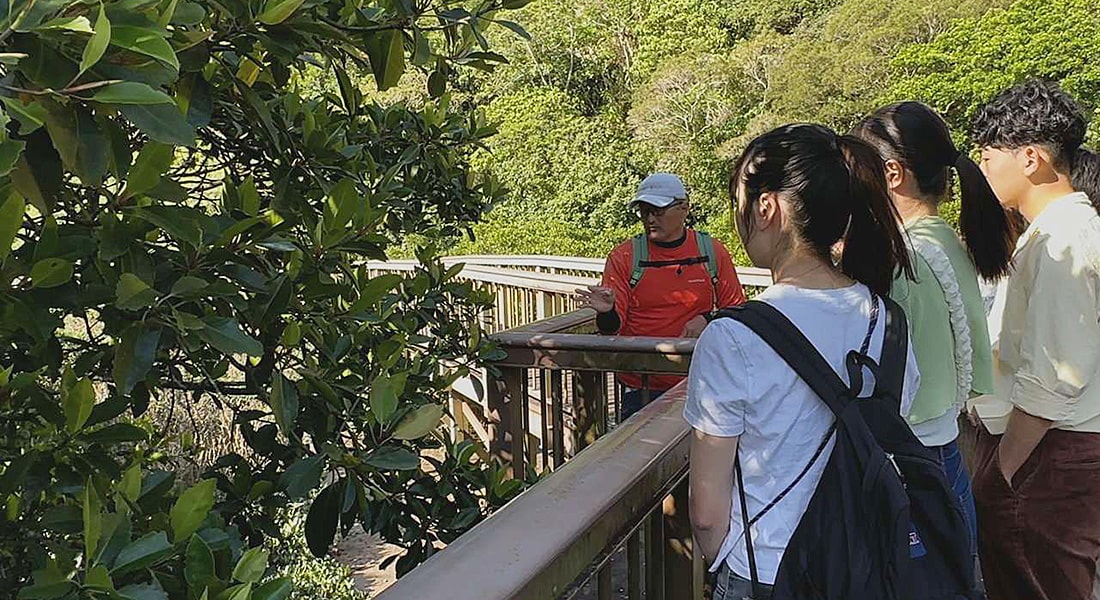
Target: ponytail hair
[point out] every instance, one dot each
(917, 137)
(873, 228)
(1086, 174)
(836, 188)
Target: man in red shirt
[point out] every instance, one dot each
(662, 282)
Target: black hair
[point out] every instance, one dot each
(917, 137)
(837, 188)
(1035, 113)
(1086, 175)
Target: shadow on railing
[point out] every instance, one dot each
(613, 520)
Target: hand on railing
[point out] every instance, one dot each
(599, 298)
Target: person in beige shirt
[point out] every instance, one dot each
(1038, 482)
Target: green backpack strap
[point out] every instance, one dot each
(641, 254)
(705, 243)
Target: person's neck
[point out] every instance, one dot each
(673, 243)
(802, 269)
(1042, 196)
(911, 208)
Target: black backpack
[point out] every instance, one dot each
(883, 523)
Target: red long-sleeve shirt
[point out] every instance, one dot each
(667, 297)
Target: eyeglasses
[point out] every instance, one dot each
(644, 210)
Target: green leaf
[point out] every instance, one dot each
(152, 162)
(99, 579)
(97, 45)
(11, 220)
(284, 403)
(75, 24)
(130, 92)
(199, 564)
(292, 334)
(80, 141)
(180, 222)
(161, 122)
(374, 290)
(145, 552)
(515, 4)
(93, 520)
(147, 42)
(130, 486)
(277, 11)
(250, 568)
(77, 403)
(134, 356)
(191, 508)
(30, 116)
(276, 589)
(419, 423)
(132, 293)
(226, 335)
(386, 51)
(51, 272)
(143, 591)
(302, 477)
(250, 198)
(46, 591)
(187, 286)
(437, 84)
(237, 592)
(383, 395)
(389, 458)
(10, 151)
(516, 28)
(322, 519)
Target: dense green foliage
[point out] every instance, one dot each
(181, 222)
(605, 93)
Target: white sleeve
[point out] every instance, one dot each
(912, 379)
(718, 385)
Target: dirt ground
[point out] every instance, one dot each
(363, 554)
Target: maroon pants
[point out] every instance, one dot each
(1039, 538)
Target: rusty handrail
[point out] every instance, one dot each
(539, 544)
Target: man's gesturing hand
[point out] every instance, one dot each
(599, 298)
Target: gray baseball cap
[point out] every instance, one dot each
(660, 190)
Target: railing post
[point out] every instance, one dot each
(507, 408)
(589, 408)
(679, 545)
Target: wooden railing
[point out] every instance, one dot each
(554, 392)
(615, 517)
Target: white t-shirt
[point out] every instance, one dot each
(739, 386)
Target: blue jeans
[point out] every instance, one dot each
(731, 586)
(633, 400)
(953, 467)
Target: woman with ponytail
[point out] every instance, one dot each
(944, 304)
(795, 193)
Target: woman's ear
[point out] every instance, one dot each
(895, 174)
(767, 211)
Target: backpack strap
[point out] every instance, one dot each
(705, 244)
(890, 378)
(641, 255)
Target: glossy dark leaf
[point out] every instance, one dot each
(161, 122)
(322, 519)
(134, 356)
